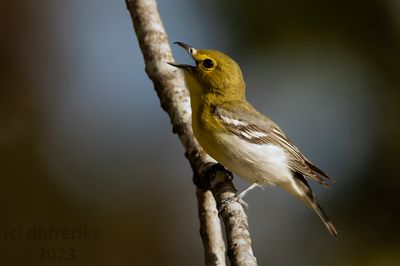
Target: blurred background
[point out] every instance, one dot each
(86, 151)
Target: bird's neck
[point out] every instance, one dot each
(221, 94)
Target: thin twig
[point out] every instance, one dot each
(174, 98)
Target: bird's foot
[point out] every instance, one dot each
(212, 170)
(237, 197)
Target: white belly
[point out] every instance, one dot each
(261, 163)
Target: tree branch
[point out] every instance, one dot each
(210, 228)
(174, 98)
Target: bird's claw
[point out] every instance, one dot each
(229, 200)
(212, 170)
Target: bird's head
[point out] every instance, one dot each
(214, 71)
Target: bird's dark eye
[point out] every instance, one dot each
(208, 63)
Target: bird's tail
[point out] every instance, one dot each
(322, 215)
(303, 192)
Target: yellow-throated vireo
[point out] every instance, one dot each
(236, 135)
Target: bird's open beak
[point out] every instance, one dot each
(190, 50)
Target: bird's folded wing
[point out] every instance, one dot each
(251, 126)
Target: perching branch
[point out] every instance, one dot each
(174, 98)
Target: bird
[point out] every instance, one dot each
(243, 140)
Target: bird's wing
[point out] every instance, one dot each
(255, 128)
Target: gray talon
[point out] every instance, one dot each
(228, 201)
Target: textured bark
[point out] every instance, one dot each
(235, 221)
(210, 228)
(174, 98)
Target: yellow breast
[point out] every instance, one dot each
(205, 125)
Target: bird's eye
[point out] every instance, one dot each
(208, 63)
